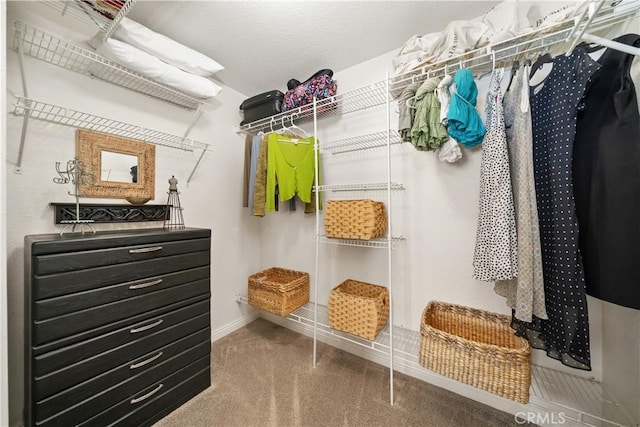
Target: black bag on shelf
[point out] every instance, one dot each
(260, 106)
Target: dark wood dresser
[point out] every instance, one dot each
(117, 325)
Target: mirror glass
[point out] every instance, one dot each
(118, 167)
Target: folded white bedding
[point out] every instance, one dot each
(152, 67)
(166, 49)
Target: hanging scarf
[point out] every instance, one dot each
(427, 132)
(465, 124)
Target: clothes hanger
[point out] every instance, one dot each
(542, 59)
(408, 101)
(514, 68)
(283, 129)
(294, 126)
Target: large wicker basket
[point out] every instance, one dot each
(477, 348)
(278, 290)
(359, 308)
(355, 219)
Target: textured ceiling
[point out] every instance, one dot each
(263, 44)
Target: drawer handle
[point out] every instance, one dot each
(145, 362)
(146, 327)
(146, 396)
(146, 285)
(145, 250)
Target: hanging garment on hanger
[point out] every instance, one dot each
(255, 152)
(525, 293)
(290, 164)
(496, 244)
(427, 132)
(606, 181)
(554, 109)
(405, 112)
(464, 123)
(260, 184)
(450, 151)
(247, 170)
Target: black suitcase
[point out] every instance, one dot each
(261, 106)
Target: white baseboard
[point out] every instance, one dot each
(224, 330)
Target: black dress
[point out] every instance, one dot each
(606, 176)
(554, 108)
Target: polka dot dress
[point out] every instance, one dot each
(554, 107)
(495, 256)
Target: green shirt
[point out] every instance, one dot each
(290, 165)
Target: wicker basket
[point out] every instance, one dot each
(477, 348)
(359, 308)
(278, 290)
(355, 219)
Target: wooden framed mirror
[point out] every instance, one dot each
(119, 167)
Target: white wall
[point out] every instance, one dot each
(212, 199)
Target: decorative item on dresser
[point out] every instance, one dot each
(117, 325)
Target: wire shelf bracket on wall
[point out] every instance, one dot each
(29, 108)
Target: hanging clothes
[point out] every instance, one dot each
(406, 113)
(525, 293)
(464, 123)
(427, 132)
(450, 151)
(246, 186)
(290, 165)
(253, 165)
(496, 244)
(260, 184)
(554, 107)
(606, 181)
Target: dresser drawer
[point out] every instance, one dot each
(100, 335)
(54, 382)
(58, 306)
(106, 390)
(52, 285)
(55, 360)
(54, 328)
(156, 400)
(56, 263)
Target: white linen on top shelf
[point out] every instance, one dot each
(152, 67)
(506, 20)
(166, 49)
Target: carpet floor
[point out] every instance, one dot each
(262, 376)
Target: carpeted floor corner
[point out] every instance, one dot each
(262, 376)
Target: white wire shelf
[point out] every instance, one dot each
(582, 400)
(104, 15)
(379, 243)
(64, 116)
(360, 187)
(553, 39)
(362, 142)
(36, 43)
(358, 99)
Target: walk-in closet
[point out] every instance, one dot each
(320, 213)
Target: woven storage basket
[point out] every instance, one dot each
(477, 348)
(278, 290)
(355, 219)
(359, 308)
